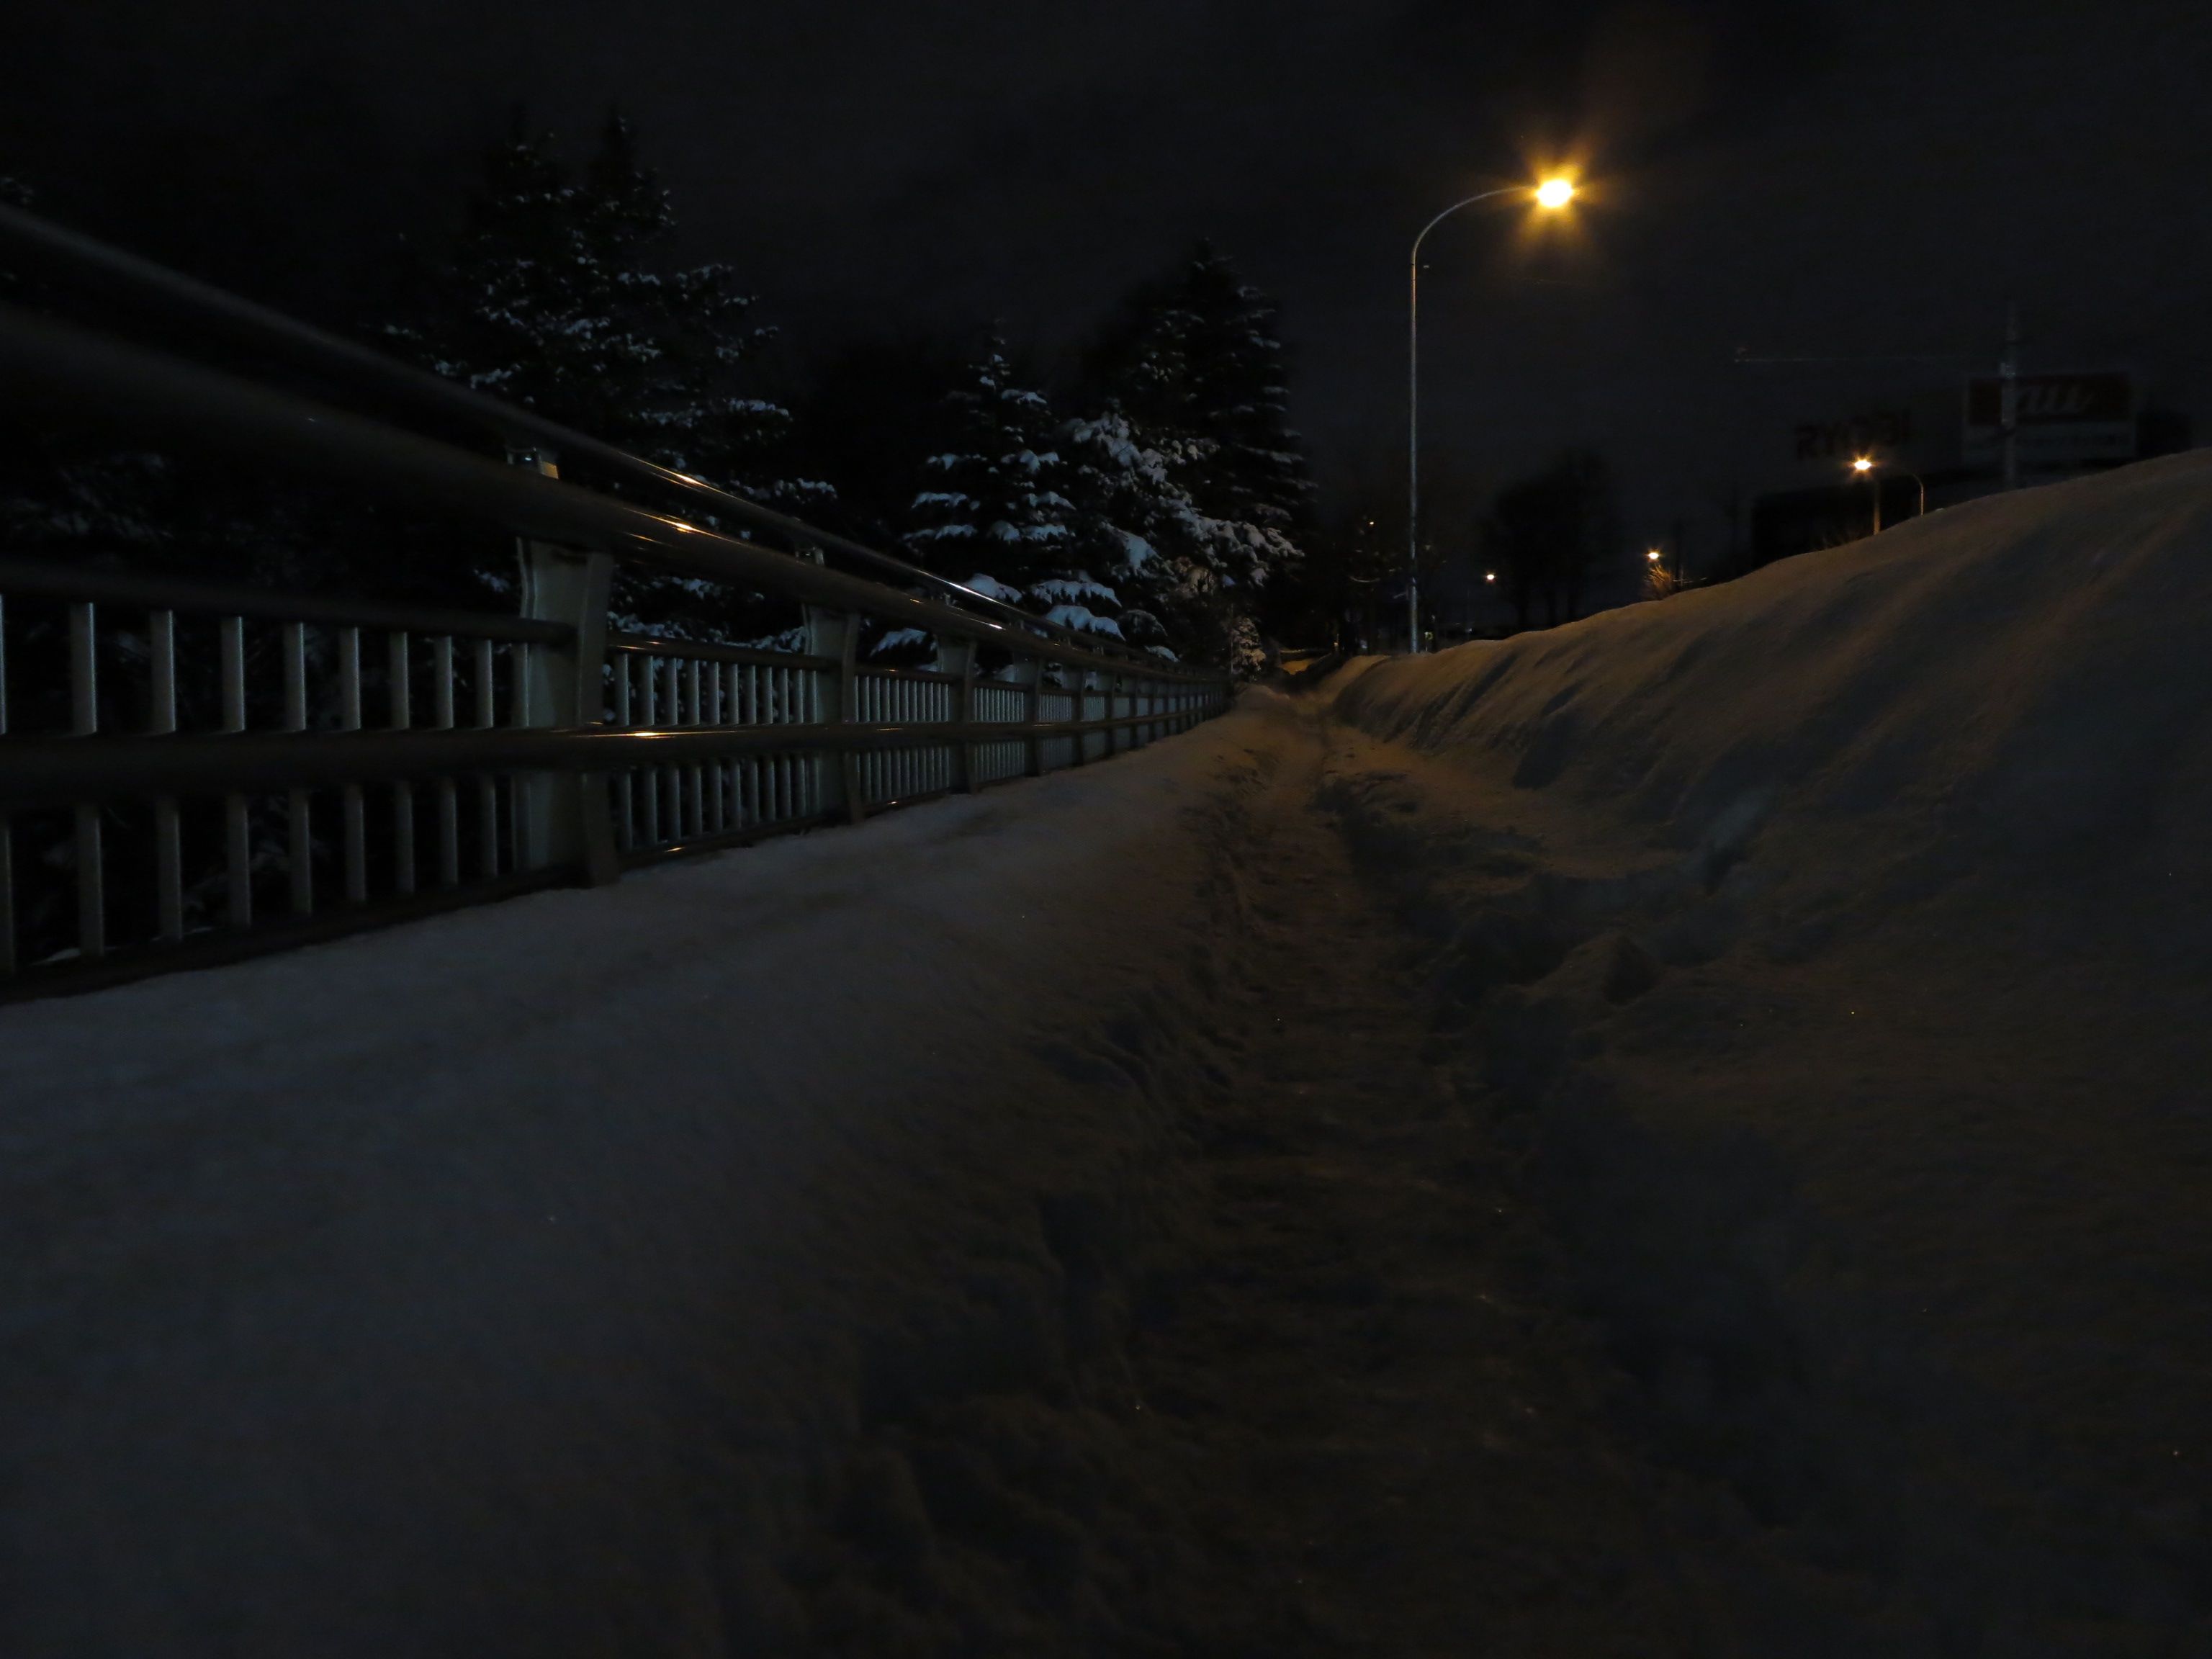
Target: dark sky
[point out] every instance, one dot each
(1794, 176)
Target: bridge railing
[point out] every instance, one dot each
(234, 768)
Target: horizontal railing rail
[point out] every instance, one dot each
(103, 585)
(143, 395)
(62, 771)
(89, 264)
(192, 770)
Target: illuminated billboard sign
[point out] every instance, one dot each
(2063, 420)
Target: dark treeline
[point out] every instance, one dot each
(1158, 496)
(1537, 550)
(1152, 492)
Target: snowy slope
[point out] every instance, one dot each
(1839, 941)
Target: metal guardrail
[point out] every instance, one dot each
(239, 769)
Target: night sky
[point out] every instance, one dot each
(1796, 178)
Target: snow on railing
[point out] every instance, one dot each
(196, 771)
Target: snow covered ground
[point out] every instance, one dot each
(527, 1281)
(1686, 1135)
(1843, 938)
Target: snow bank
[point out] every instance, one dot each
(2017, 686)
(1838, 943)
(609, 1271)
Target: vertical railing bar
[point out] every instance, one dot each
(517, 714)
(725, 714)
(487, 700)
(649, 778)
(449, 800)
(168, 830)
(84, 670)
(1033, 712)
(853, 776)
(401, 711)
(350, 679)
(711, 684)
(401, 687)
(298, 853)
(237, 844)
(698, 717)
(485, 685)
(84, 722)
(354, 808)
(441, 682)
(672, 777)
(162, 653)
(625, 803)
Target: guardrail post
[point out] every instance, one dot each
(830, 633)
(1030, 676)
(564, 819)
(960, 660)
(1079, 705)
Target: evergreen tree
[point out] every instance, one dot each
(552, 299)
(1191, 478)
(1183, 573)
(1197, 358)
(992, 512)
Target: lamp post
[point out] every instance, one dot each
(1551, 195)
(1864, 466)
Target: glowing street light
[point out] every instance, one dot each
(1864, 466)
(1551, 195)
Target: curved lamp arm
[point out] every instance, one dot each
(1502, 189)
(1414, 411)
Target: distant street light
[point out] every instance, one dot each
(1551, 195)
(1864, 466)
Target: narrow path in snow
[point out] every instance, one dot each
(1409, 1444)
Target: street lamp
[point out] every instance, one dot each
(1551, 195)
(1864, 466)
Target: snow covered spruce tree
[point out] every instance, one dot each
(552, 298)
(1190, 477)
(991, 512)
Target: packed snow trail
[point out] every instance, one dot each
(1366, 1345)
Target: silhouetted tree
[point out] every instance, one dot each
(553, 297)
(990, 511)
(1548, 533)
(1191, 482)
